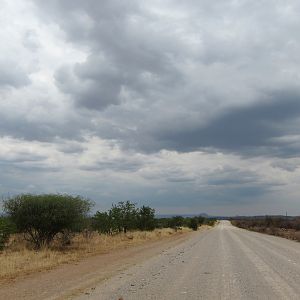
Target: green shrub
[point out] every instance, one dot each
(210, 222)
(176, 222)
(193, 223)
(201, 220)
(124, 216)
(103, 223)
(42, 217)
(146, 218)
(6, 228)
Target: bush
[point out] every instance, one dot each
(42, 217)
(103, 223)
(146, 218)
(6, 228)
(193, 224)
(210, 222)
(200, 220)
(176, 222)
(124, 216)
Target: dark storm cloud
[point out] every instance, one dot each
(130, 53)
(286, 165)
(205, 198)
(234, 184)
(106, 78)
(70, 147)
(88, 89)
(21, 156)
(119, 165)
(152, 81)
(45, 130)
(233, 177)
(22, 166)
(246, 130)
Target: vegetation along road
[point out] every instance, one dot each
(225, 262)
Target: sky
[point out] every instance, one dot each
(186, 106)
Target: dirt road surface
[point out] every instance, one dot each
(223, 263)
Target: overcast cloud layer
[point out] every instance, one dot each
(186, 106)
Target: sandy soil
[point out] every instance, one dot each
(71, 280)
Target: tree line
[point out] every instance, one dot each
(41, 218)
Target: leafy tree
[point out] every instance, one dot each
(162, 222)
(116, 217)
(6, 228)
(103, 222)
(42, 217)
(146, 218)
(176, 222)
(193, 223)
(124, 216)
(200, 220)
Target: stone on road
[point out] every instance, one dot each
(222, 263)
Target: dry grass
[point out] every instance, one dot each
(292, 233)
(18, 259)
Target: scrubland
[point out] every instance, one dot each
(286, 227)
(40, 232)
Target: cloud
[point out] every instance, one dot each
(159, 78)
(191, 105)
(12, 75)
(251, 129)
(289, 165)
(93, 86)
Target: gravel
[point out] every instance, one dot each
(222, 263)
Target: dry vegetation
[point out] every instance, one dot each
(18, 259)
(278, 226)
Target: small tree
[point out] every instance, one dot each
(124, 216)
(6, 228)
(200, 220)
(176, 222)
(103, 222)
(42, 217)
(146, 218)
(193, 223)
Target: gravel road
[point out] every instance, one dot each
(223, 263)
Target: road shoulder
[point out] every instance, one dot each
(69, 280)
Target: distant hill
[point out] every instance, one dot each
(160, 216)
